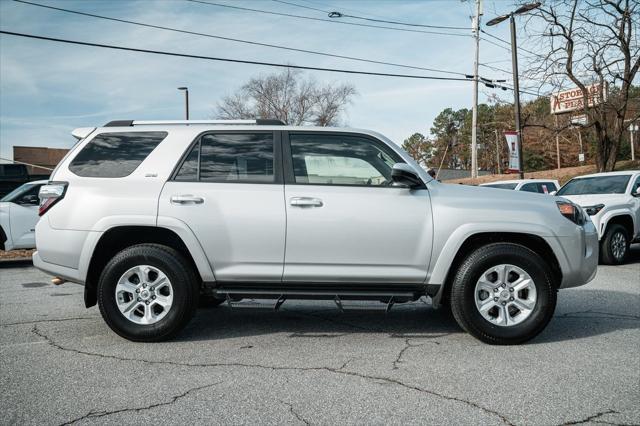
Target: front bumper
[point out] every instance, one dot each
(577, 255)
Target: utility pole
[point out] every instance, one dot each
(497, 150)
(632, 128)
(474, 120)
(557, 141)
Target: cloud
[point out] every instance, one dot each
(46, 87)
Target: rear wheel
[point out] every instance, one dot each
(503, 294)
(614, 247)
(147, 293)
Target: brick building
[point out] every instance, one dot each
(41, 156)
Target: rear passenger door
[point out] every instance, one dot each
(229, 191)
(345, 222)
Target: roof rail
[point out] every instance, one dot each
(257, 122)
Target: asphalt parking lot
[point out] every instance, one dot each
(311, 364)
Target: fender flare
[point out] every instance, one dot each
(606, 218)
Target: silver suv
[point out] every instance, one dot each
(155, 217)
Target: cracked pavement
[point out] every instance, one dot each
(311, 364)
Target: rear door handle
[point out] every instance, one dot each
(186, 199)
(305, 202)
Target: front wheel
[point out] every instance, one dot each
(614, 247)
(503, 294)
(147, 293)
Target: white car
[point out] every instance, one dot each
(542, 186)
(19, 215)
(613, 202)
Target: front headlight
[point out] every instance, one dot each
(571, 212)
(594, 210)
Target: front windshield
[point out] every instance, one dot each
(16, 193)
(503, 185)
(615, 184)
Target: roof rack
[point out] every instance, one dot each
(257, 122)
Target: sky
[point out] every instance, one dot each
(47, 89)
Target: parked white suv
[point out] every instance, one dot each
(613, 202)
(542, 186)
(152, 216)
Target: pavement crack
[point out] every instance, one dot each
(46, 320)
(407, 345)
(95, 414)
(333, 370)
(592, 418)
(295, 413)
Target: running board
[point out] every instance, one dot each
(387, 294)
(337, 300)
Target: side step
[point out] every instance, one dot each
(389, 295)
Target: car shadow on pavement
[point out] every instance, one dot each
(581, 313)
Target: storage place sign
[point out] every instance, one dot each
(572, 99)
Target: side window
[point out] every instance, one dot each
(529, 187)
(635, 185)
(232, 157)
(114, 155)
(546, 187)
(189, 169)
(340, 160)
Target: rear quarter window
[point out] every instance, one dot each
(114, 155)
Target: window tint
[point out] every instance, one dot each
(636, 185)
(113, 155)
(23, 190)
(341, 160)
(189, 169)
(503, 185)
(615, 184)
(529, 187)
(239, 157)
(546, 187)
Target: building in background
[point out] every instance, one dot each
(41, 156)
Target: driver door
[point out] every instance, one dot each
(345, 223)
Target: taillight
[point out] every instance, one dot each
(50, 194)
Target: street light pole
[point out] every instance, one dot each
(514, 64)
(186, 101)
(516, 92)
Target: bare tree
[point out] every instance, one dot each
(591, 42)
(288, 97)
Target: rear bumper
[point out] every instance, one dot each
(577, 255)
(68, 274)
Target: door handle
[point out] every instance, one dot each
(186, 199)
(306, 202)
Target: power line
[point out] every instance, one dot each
(344, 15)
(508, 43)
(239, 61)
(326, 20)
(275, 46)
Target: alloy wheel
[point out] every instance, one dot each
(144, 294)
(505, 295)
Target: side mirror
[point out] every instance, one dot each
(636, 193)
(29, 199)
(404, 175)
(553, 192)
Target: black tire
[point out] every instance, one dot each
(183, 281)
(463, 304)
(611, 236)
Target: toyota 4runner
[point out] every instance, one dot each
(153, 217)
